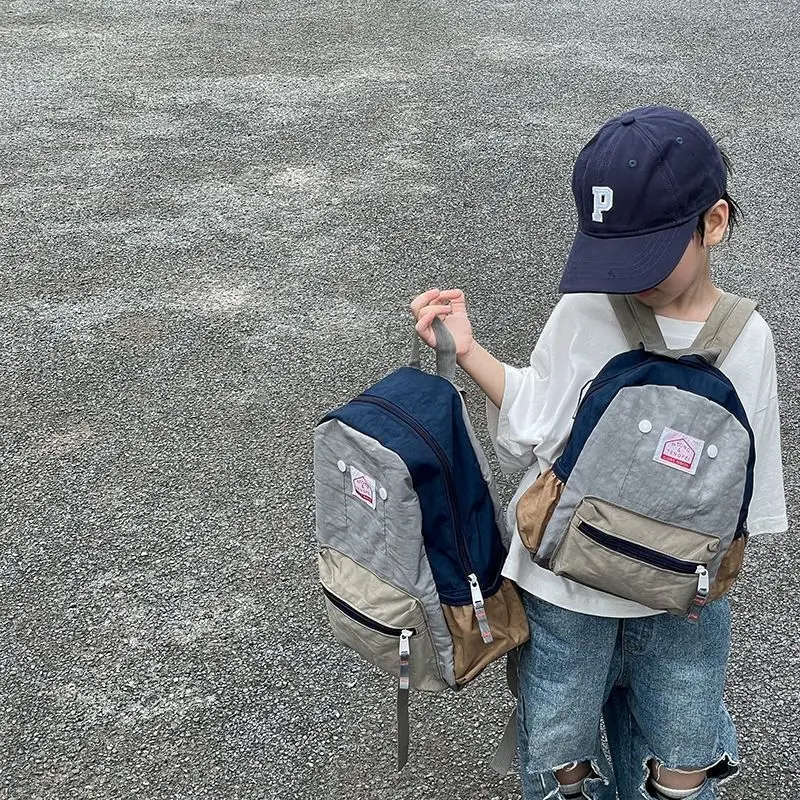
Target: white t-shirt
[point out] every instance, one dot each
(531, 428)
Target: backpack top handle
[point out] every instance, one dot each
(445, 351)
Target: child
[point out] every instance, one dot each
(650, 190)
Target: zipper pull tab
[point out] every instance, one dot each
(405, 657)
(702, 581)
(480, 610)
(701, 594)
(582, 397)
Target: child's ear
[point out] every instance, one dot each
(716, 223)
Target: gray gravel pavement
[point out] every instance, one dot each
(212, 216)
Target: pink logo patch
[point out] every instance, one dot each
(363, 487)
(363, 490)
(679, 451)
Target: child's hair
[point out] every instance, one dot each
(735, 212)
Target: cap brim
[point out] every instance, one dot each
(624, 265)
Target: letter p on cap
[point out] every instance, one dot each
(603, 201)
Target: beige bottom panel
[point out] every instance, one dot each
(370, 604)
(583, 560)
(629, 575)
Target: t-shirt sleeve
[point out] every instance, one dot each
(768, 505)
(516, 427)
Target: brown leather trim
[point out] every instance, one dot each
(536, 507)
(509, 626)
(729, 568)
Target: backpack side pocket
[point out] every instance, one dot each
(536, 507)
(729, 568)
(508, 623)
(368, 615)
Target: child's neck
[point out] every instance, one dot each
(695, 304)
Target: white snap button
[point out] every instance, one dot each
(712, 451)
(382, 493)
(342, 466)
(645, 426)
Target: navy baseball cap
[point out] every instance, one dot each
(640, 186)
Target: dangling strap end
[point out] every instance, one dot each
(504, 756)
(403, 683)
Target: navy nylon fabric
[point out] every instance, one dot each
(640, 368)
(458, 517)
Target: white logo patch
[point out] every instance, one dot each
(603, 201)
(363, 487)
(679, 451)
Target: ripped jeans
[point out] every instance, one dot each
(657, 682)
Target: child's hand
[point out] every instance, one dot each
(451, 307)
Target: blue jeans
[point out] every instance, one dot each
(656, 681)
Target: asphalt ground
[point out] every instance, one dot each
(213, 215)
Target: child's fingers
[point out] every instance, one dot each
(422, 300)
(437, 310)
(458, 303)
(419, 303)
(423, 328)
(453, 295)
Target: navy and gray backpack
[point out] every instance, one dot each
(410, 534)
(650, 497)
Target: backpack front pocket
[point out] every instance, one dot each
(373, 617)
(618, 551)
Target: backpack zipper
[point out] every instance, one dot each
(707, 368)
(363, 619)
(403, 635)
(410, 422)
(404, 679)
(637, 551)
(654, 558)
(466, 564)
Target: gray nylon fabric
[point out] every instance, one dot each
(350, 526)
(617, 465)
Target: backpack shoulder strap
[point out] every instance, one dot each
(715, 340)
(638, 323)
(724, 324)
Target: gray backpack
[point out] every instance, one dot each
(649, 499)
(410, 536)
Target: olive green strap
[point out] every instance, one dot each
(725, 323)
(638, 323)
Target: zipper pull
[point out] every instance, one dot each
(701, 594)
(405, 657)
(582, 397)
(480, 610)
(702, 581)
